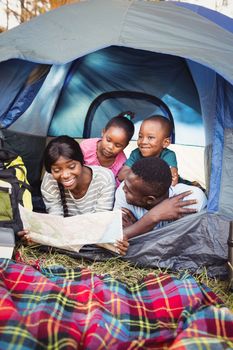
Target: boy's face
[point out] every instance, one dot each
(138, 193)
(151, 138)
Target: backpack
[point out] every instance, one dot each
(14, 190)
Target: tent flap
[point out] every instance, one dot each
(193, 243)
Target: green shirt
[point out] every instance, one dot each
(167, 155)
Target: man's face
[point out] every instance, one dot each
(139, 193)
(133, 190)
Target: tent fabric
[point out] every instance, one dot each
(190, 243)
(223, 120)
(37, 117)
(109, 69)
(226, 192)
(127, 25)
(13, 76)
(20, 83)
(214, 16)
(59, 308)
(76, 39)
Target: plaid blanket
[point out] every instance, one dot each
(67, 309)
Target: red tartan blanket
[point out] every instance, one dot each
(67, 309)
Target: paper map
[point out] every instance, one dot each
(73, 232)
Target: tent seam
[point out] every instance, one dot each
(123, 21)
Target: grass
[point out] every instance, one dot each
(119, 269)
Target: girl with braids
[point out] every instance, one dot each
(71, 188)
(108, 150)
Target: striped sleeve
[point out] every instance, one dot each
(51, 195)
(103, 188)
(99, 196)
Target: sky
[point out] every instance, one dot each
(3, 17)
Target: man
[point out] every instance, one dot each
(147, 199)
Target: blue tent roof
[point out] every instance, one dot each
(200, 36)
(181, 53)
(214, 16)
(62, 35)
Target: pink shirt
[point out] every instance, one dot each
(89, 147)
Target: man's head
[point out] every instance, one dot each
(154, 135)
(148, 182)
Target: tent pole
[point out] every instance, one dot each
(230, 255)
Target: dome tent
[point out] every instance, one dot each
(93, 46)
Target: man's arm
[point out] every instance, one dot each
(168, 209)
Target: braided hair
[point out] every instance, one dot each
(68, 148)
(123, 121)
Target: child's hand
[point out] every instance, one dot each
(174, 173)
(23, 235)
(123, 173)
(122, 246)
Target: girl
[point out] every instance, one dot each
(71, 188)
(108, 150)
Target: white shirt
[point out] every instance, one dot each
(138, 212)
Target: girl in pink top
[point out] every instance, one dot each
(108, 150)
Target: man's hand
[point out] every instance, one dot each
(173, 208)
(169, 209)
(128, 218)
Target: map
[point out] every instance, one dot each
(73, 232)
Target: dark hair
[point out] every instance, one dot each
(68, 148)
(64, 146)
(123, 121)
(165, 122)
(155, 172)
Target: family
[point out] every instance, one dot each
(95, 176)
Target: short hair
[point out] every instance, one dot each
(64, 146)
(155, 172)
(165, 122)
(123, 121)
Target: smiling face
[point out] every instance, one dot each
(68, 172)
(114, 140)
(139, 193)
(152, 138)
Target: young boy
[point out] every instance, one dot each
(153, 139)
(147, 199)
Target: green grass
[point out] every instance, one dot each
(119, 269)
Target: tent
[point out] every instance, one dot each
(54, 66)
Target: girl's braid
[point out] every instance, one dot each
(63, 200)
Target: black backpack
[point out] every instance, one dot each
(12, 189)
